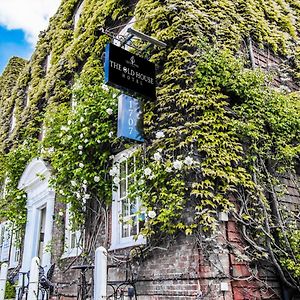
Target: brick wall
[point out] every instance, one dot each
(190, 268)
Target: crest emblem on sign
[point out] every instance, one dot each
(132, 60)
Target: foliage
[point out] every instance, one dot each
(78, 144)
(10, 291)
(217, 129)
(13, 201)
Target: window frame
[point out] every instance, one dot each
(78, 13)
(5, 238)
(13, 121)
(14, 250)
(70, 251)
(27, 96)
(48, 62)
(117, 241)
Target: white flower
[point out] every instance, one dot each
(143, 209)
(168, 169)
(80, 152)
(151, 214)
(147, 171)
(86, 140)
(177, 164)
(81, 119)
(141, 181)
(109, 111)
(73, 182)
(64, 128)
(81, 165)
(157, 156)
(159, 134)
(111, 157)
(160, 150)
(110, 134)
(86, 196)
(113, 171)
(105, 87)
(69, 122)
(77, 195)
(84, 186)
(61, 213)
(85, 181)
(81, 135)
(116, 180)
(80, 147)
(98, 141)
(61, 192)
(96, 178)
(126, 219)
(188, 161)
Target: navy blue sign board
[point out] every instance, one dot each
(130, 121)
(129, 72)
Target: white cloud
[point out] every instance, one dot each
(31, 16)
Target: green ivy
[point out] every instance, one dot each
(217, 131)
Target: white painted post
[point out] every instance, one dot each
(34, 279)
(100, 274)
(3, 277)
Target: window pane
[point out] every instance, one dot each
(130, 165)
(125, 230)
(73, 240)
(123, 169)
(123, 189)
(134, 229)
(125, 208)
(133, 208)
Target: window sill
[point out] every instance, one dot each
(13, 265)
(71, 253)
(116, 246)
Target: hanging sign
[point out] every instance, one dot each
(130, 121)
(129, 72)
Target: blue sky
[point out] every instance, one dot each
(20, 24)
(13, 43)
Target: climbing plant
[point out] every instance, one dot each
(218, 130)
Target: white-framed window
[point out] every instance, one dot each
(12, 121)
(126, 222)
(5, 241)
(27, 97)
(15, 251)
(3, 191)
(48, 62)
(73, 238)
(42, 132)
(78, 13)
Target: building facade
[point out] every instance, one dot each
(207, 206)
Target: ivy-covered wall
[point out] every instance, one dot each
(217, 131)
